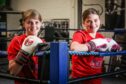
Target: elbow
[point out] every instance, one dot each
(72, 47)
(14, 68)
(10, 67)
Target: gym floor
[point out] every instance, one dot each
(106, 80)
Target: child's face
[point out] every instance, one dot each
(92, 23)
(32, 26)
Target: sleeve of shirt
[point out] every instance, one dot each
(79, 37)
(13, 48)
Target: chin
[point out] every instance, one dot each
(33, 34)
(95, 30)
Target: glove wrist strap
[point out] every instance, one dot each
(91, 46)
(22, 57)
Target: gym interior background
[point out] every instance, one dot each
(62, 18)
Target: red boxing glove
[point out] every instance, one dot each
(99, 44)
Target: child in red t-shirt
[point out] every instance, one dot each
(21, 48)
(90, 40)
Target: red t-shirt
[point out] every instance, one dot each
(85, 65)
(29, 70)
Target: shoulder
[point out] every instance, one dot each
(80, 36)
(21, 37)
(82, 32)
(18, 39)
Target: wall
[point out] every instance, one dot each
(50, 9)
(54, 9)
(95, 4)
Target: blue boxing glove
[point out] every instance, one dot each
(28, 47)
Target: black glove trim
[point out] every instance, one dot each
(91, 46)
(22, 57)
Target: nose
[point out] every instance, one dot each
(92, 24)
(33, 24)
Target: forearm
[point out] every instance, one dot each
(16, 65)
(14, 68)
(76, 46)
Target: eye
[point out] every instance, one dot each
(36, 22)
(89, 21)
(29, 22)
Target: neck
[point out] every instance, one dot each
(93, 35)
(30, 34)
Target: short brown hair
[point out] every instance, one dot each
(31, 13)
(89, 11)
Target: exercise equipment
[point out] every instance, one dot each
(49, 33)
(114, 14)
(53, 34)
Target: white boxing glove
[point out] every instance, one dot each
(113, 45)
(99, 44)
(28, 47)
(30, 44)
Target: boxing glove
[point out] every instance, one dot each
(99, 44)
(28, 47)
(43, 47)
(113, 46)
